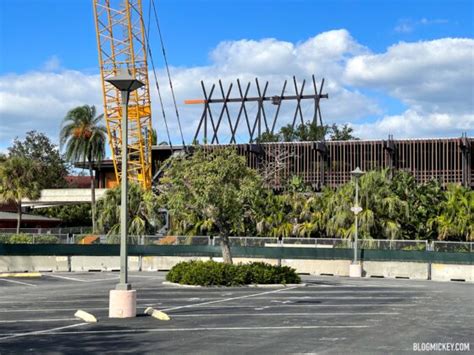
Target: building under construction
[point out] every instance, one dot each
(320, 164)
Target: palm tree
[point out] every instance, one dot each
(143, 213)
(83, 138)
(456, 218)
(382, 209)
(18, 180)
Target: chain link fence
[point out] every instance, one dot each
(34, 237)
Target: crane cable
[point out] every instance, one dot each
(147, 33)
(168, 71)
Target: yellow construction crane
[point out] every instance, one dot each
(122, 45)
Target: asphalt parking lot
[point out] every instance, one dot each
(328, 315)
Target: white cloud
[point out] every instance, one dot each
(409, 25)
(412, 124)
(40, 100)
(434, 80)
(432, 76)
(52, 64)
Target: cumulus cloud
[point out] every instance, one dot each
(412, 124)
(432, 79)
(432, 76)
(40, 100)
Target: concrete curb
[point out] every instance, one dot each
(167, 283)
(21, 274)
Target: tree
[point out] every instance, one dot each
(209, 189)
(38, 147)
(456, 217)
(77, 215)
(381, 213)
(83, 138)
(309, 131)
(423, 201)
(342, 134)
(18, 180)
(143, 212)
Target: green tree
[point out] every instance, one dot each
(208, 189)
(52, 169)
(456, 217)
(381, 213)
(345, 133)
(143, 212)
(18, 180)
(83, 138)
(309, 131)
(423, 201)
(77, 215)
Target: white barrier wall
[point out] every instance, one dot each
(388, 269)
(33, 263)
(449, 272)
(394, 269)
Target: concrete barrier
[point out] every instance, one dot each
(450, 272)
(395, 269)
(319, 267)
(102, 263)
(33, 263)
(388, 269)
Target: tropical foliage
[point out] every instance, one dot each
(308, 131)
(83, 138)
(36, 146)
(19, 180)
(143, 213)
(212, 193)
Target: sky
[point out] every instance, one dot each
(402, 67)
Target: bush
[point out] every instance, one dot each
(28, 239)
(211, 273)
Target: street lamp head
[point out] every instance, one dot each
(124, 81)
(357, 173)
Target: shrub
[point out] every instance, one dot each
(28, 239)
(211, 273)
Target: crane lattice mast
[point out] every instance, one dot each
(122, 45)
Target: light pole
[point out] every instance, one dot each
(123, 298)
(355, 268)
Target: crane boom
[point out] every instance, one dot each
(122, 44)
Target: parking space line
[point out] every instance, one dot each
(81, 280)
(39, 332)
(38, 320)
(19, 282)
(285, 314)
(225, 299)
(164, 330)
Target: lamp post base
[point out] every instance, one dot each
(122, 304)
(355, 270)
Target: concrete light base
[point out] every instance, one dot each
(122, 304)
(355, 270)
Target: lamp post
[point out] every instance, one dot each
(355, 268)
(123, 298)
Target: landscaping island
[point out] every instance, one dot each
(211, 273)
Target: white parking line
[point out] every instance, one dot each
(81, 280)
(38, 320)
(39, 332)
(225, 299)
(164, 330)
(285, 314)
(19, 282)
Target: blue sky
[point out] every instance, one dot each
(56, 39)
